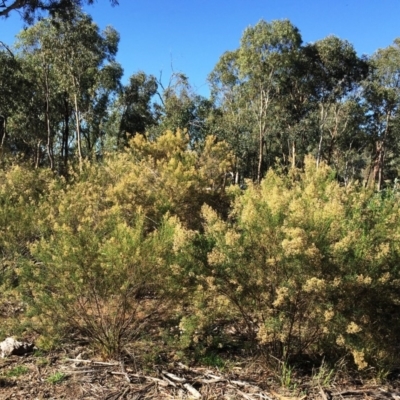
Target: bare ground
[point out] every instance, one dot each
(76, 372)
(64, 375)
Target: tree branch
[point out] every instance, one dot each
(17, 4)
(28, 7)
(7, 48)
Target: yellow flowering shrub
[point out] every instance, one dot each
(165, 175)
(308, 269)
(91, 248)
(298, 264)
(21, 189)
(91, 273)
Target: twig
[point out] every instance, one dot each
(7, 48)
(213, 380)
(323, 394)
(192, 391)
(354, 392)
(174, 377)
(245, 395)
(157, 380)
(97, 363)
(167, 380)
(122, 395)
(240, 383)
(85, 371)
(124, 372)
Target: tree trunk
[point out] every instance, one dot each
(260, 156)
(4, 134)
(49, 145)
(78, 131)
(64, 147)
(321, 130)
(263, 107)
(293, 154)
(381, 159)
(37, 156)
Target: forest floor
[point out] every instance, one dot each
(150, 369)
(65, 375)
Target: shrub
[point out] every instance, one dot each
(107, 239)
(310, 266)
(21, 191)
(93, 273)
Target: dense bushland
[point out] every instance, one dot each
(297, 265)
(264, 217)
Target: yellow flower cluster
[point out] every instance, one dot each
(296, 242)
(314, 285)
(353, 328)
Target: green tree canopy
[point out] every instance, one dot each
(30, 8)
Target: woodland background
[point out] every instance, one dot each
(264, 218)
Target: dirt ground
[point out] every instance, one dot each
(65, 375)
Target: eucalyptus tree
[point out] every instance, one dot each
(32, 125)
(9, 83)
(21, 114)
(233, 119)
(337, 72)
(287, 99)
(40, 117)
(83, 69)
(134, 106)
(253, 74)
(97, 105)
(177, 108)
(97, 118)
(294, 108)
(382, 95)
(83, 52)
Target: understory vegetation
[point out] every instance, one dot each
(264, 219)
(299, 265)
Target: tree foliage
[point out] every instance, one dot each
(70, 69)
(31, 8)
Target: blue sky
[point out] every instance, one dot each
(159, 36)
